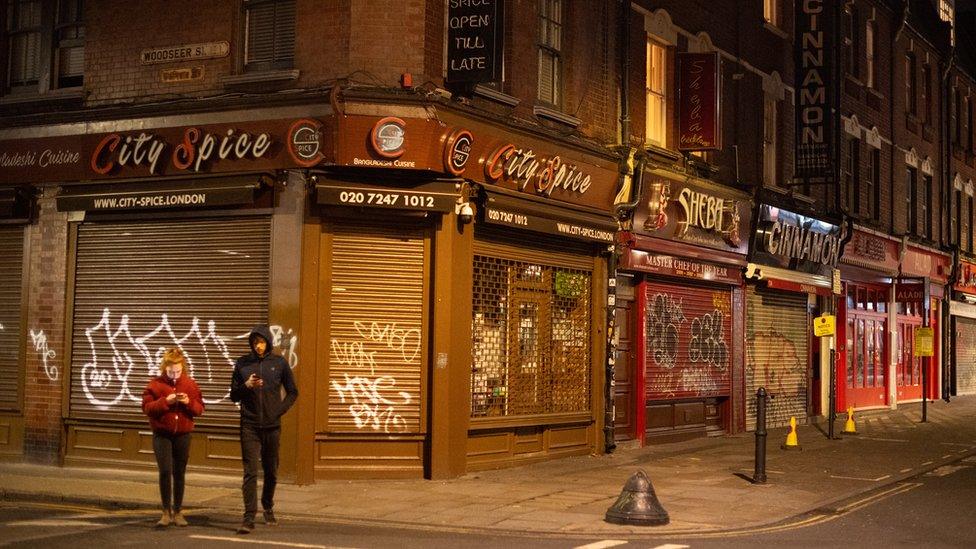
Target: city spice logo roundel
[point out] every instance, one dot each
(389, 137)
(457, 151)
(305, 142)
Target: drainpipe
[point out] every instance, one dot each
(947, 361)
(891, 111)
(946, 155)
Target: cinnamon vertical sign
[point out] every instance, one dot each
(698, 102)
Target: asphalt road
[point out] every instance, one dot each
(933, 510)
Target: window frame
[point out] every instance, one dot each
(911, 83)
(661, 97)
(869, 54)
(46, 63)
(770, 139)
(874, 184)
(928, 182)
(926, 88)
(551, 50)
(911, 193)
(275, 63)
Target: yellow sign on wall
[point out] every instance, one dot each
(924, 342)
(824, 325)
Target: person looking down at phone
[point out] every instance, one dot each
(263, 385)
(171, 400)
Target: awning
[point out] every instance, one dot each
(795, 281)
(547, 217)
(164, 194)
(430, 196)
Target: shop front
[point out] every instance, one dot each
(684, 260)
(16, 212)
(864, 312)
(454, 276)
(919, 293)
(962, 310)
(176, 236)
(792, 277)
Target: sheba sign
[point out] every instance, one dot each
(797, 242)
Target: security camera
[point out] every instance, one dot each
(465, 213)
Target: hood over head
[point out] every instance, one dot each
(262, 331)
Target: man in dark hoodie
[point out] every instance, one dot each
(264, 386)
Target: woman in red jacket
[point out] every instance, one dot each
(171, 401)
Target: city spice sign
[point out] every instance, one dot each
(532, 173)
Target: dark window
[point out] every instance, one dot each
(45, 45)
(956, 116)
(969, 123)
(927, 92)
(969, 224)
(855, 36)
(926, 207)
(957, 219)
(270, 32)
(910, 198)
(854, 168)
(911, 83)
(550, 47)
(874, 184)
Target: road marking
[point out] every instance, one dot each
(927, 462)
(602, 544)
(946, 470)
(54, 522)
(885, 439)
(905, 470)
(264, 542)
(877, 497)
(947, 456)
(671, 546)
(860, 478)
(967, 444)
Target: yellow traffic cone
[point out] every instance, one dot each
(791, 441)
(849, 427)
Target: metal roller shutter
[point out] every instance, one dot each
(965, 356)
(531, 329)
(378, 342)
(142, 287)
(688, 341)
(11, 273)
(777, 351)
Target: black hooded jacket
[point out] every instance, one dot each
(263, 407)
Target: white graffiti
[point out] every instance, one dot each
(353, 354)
(39, 340)
(105, 380)
(285, 341)
(369, 408)
(407, 342)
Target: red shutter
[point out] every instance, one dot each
(688, 331)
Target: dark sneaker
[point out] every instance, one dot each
(269, 518)
(245, 527)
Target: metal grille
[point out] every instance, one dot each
(531, 329)
(11, 271)
(141, 287)
(777, 355)
(965, 356)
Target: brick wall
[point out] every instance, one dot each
(45, 312)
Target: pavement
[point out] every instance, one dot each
(703, 484)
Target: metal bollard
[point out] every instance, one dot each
(759, 476)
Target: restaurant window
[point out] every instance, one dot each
(911, 185)
(270, 34)
(45, 45)
(550, 48)
(769, 140)
(869, 60)
(911, 83)
(657, 98)
(531, 339)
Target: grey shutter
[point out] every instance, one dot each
(142, 287)
(11, 273)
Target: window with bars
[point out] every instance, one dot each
(550, 49)
(769, 140)
(531, 339)
(270, 34)
(45, 45)
(657, 93)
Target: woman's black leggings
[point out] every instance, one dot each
(172, 453)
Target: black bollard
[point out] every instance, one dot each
(637, 504)
(760, 474)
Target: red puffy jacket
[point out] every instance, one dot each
(176, 418)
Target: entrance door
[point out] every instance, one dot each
(867, 371)
(908, 373)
